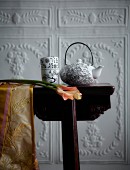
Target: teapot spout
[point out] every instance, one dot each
(97, 72)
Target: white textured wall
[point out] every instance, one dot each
(30, 30)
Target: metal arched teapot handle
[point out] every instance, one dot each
(82, 44)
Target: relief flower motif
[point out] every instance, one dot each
(16, 18)
(64, 91)
(16, 59)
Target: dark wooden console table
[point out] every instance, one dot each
(49, 106)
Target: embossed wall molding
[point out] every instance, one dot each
(83, 17)
(44, 142)
(93, 139)
(18, 54)
(119, 108)
(25, 17)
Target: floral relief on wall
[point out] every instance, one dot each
(18, 55)
(93, 139)
(92, 16)
(43, 138)
(25, 17)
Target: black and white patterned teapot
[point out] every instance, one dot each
(80, 74)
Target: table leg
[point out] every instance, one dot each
(70, 140)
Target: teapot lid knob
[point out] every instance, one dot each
(79, 60)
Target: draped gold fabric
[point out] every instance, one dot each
(17, 137)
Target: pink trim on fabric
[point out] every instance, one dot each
(4, 118)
